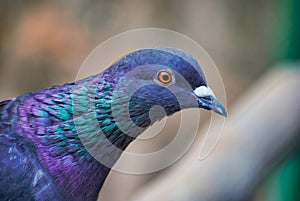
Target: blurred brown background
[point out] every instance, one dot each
(43, 43)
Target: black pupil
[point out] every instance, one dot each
(165, 77)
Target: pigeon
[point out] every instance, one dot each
(61, 142)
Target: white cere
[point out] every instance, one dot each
(203, 91)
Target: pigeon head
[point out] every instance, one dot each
(149, 84)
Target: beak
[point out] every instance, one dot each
(211, 103)
(207, 100)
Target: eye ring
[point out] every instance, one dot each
(164, 77)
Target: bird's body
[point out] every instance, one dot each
(40, 147)
(45, 135)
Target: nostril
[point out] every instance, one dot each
(207, 98)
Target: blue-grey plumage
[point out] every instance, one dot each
(44, 134)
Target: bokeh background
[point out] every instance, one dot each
(43, 43)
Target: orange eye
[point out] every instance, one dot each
(164, 77)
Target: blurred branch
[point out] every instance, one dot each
(259, 132)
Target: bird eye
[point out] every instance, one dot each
(164, 77)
